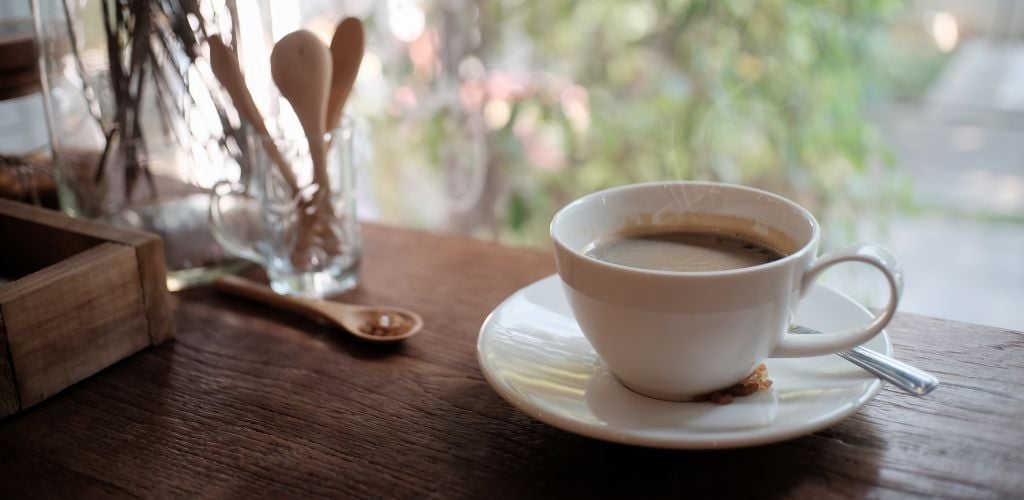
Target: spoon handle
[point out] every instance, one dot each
(254, 291)
(908, 378)
(225, 67)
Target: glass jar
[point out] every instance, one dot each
(25, 173)
(138, 134)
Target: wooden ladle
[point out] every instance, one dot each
(372, 323)
(226, 69)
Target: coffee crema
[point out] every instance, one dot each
(689, 248)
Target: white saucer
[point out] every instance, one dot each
(533, 353)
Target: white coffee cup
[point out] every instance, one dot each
(675, 335)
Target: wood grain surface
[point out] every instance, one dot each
(21, 253)
(249, 402)
(72, 319)
(10, 402)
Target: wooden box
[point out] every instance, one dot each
(76, 296)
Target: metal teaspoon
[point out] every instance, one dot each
(912, 380)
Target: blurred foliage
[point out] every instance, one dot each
(567, 97)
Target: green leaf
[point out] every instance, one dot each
(518, 211)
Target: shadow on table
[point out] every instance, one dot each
(298, 332)
(526, 457)
(94, 437)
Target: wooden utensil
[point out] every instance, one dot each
(347, 47)
(226, 69)
(301, 67)
(372, 323)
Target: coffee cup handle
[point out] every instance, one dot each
(222, 231)
(794, 346)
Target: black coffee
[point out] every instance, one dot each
(684, 250)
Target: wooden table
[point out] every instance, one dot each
(250, 402)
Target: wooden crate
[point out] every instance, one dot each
(76, 297)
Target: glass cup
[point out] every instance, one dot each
(297, 217)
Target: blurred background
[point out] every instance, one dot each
(899, 122)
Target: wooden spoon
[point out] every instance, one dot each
(372, 323)
(301, 67)
(347, 47)
(226, 69)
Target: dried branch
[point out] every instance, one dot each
(101, 166)
(142, 38)
(87, 91)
